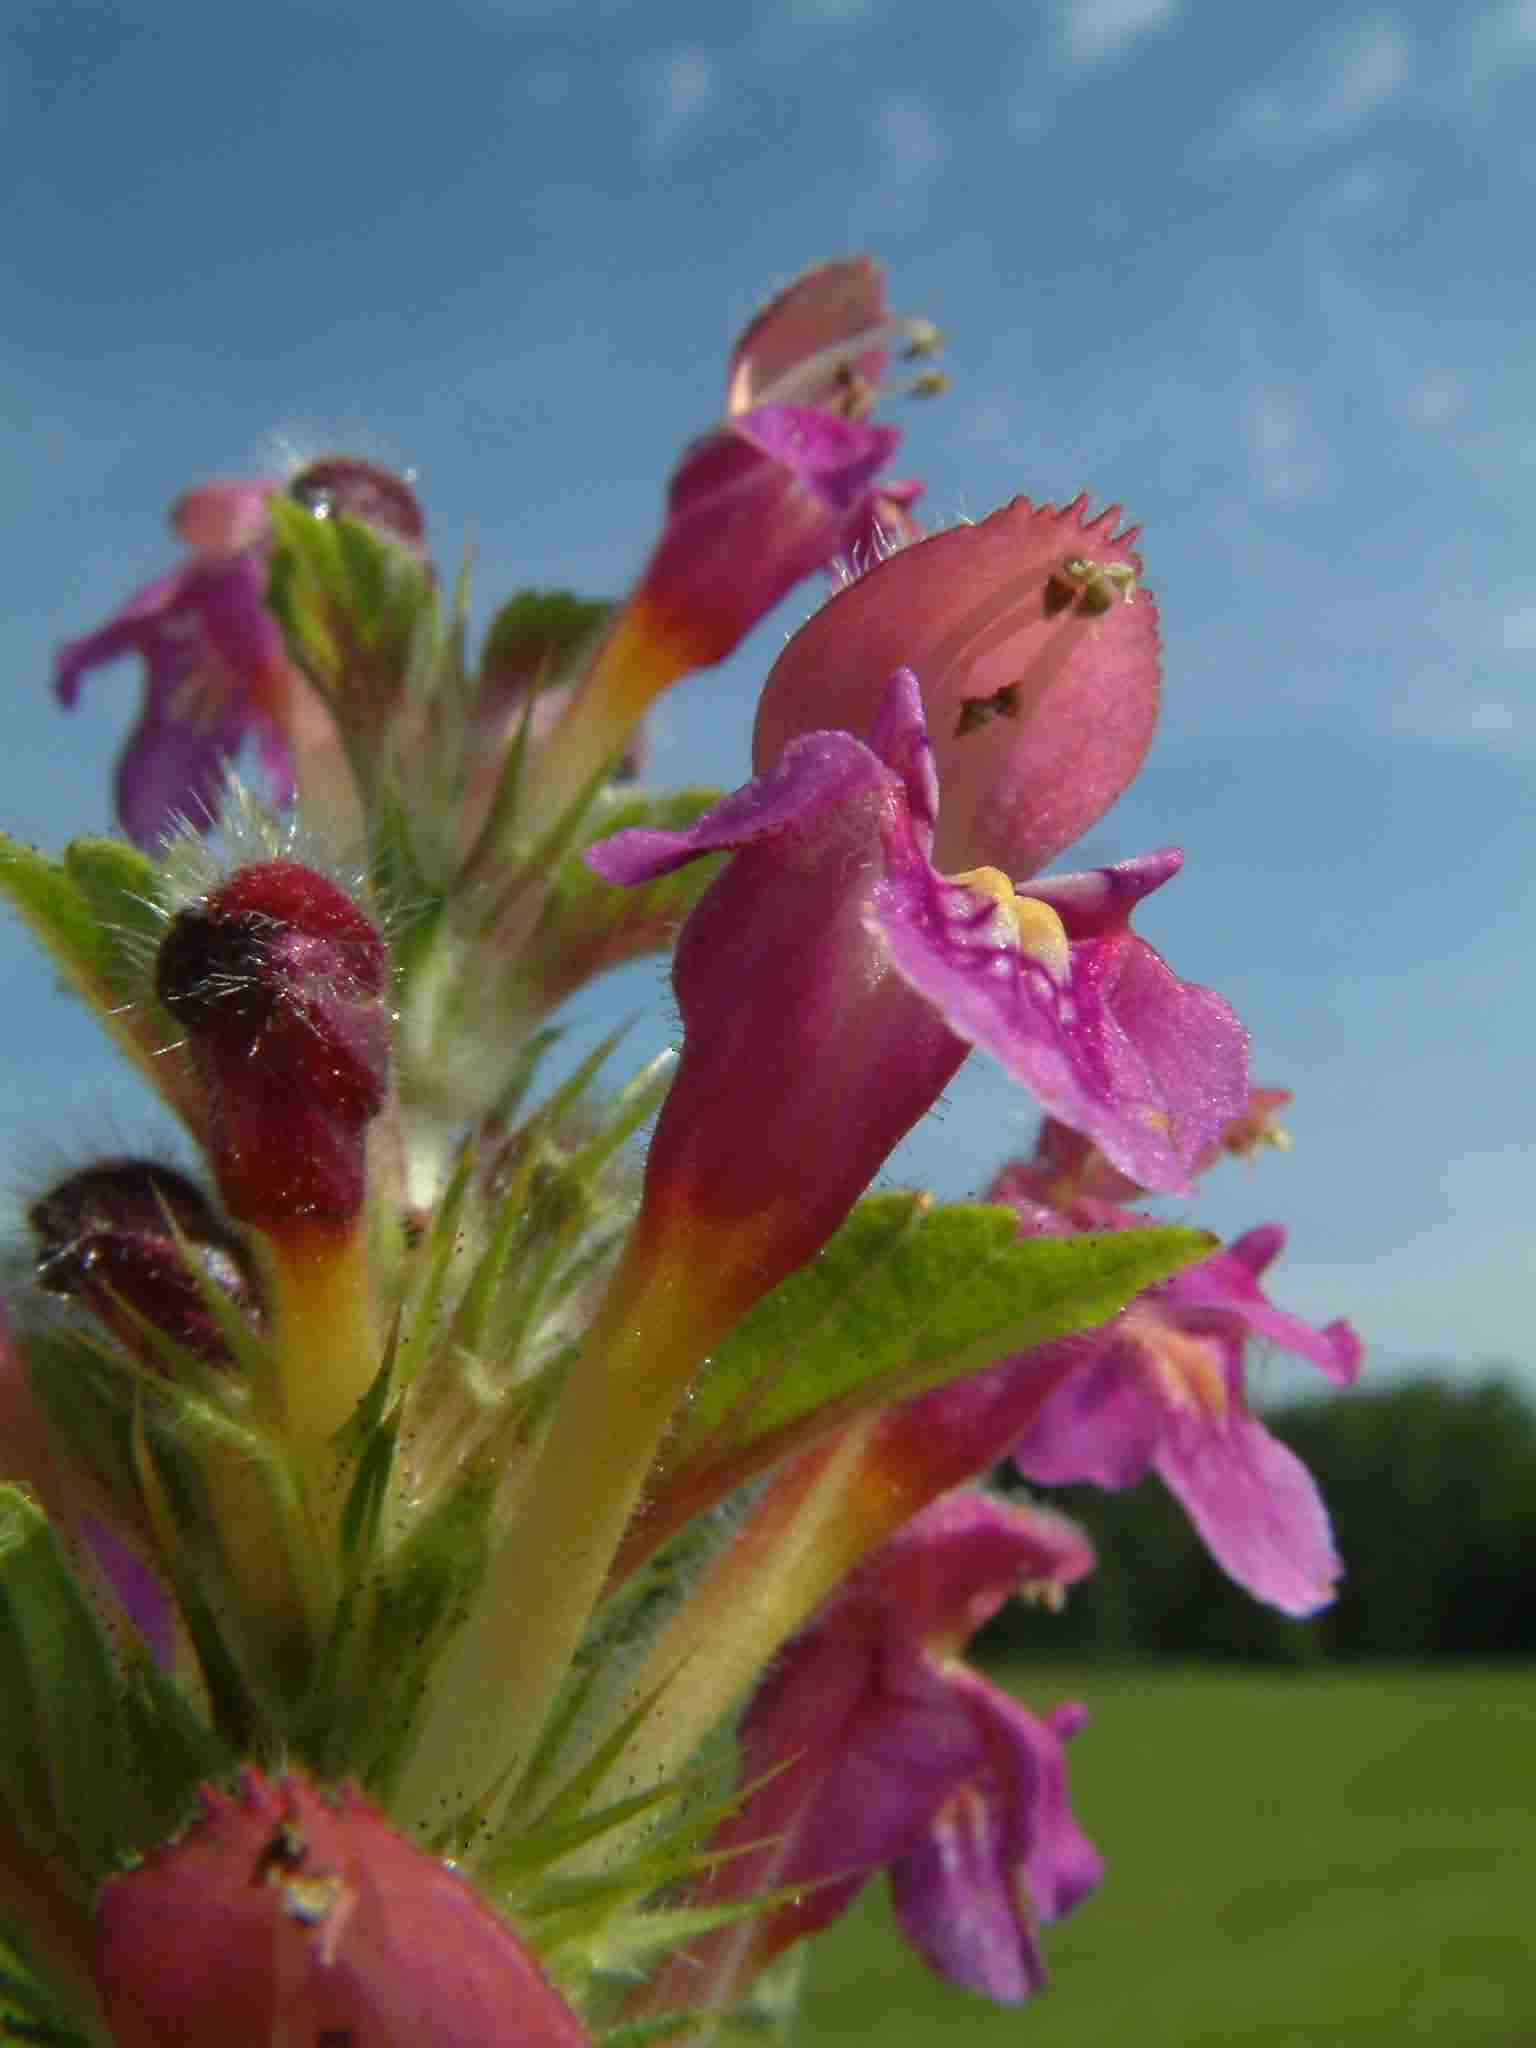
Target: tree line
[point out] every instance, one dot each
(1432, 1489)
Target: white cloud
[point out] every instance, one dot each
(909, 139)
(676, 89)
(1288, 458)
(1093, 32)
(1511, 632)
(1496, 44)
(1437, 398)
(1353, 76)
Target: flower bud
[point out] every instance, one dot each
(346, 486)
(281, 984)
(106, 1239)
(282, 1915)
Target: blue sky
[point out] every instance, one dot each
(1259, 274)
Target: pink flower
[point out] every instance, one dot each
(287, 1915)
(870, 1745)
(1163, 1388)
(216, 673)
(752, 508)
(786, 484)
(831, 981)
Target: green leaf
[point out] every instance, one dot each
(29, 2009)
(93, 911)
(905, 1298)
(122, 887)
(350, 603)
(373, 1673)
(64, 1745)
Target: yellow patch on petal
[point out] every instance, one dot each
(1033, 926)
(1188, 1369)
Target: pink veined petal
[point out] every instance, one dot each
(1227, 1283)
(1003, 1855)
(954, 1902)
(1099, 1428)
(172, 767)
(1256, 1507)
(1109, 1040)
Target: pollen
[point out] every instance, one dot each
(1089, 587)
(1033, 928)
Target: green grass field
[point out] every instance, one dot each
(1309, 1857)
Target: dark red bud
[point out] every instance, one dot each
(281, 984)
(104, 1240)
(342, 484)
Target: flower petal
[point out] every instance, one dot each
(1041, 709)
(1002, 1856)
(1256, 1507)
(1100, 1030)
(799, 338)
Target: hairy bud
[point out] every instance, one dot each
(281, 984)
(108, 1238)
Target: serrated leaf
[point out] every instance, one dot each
(905, 1298)
(90, 911)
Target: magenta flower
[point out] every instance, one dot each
(753, 507)
(831, 982)
(800, 1043)
(285, 1915)
(215, 673)
(1163, 1388)
(786, 484)
(870, 1745)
